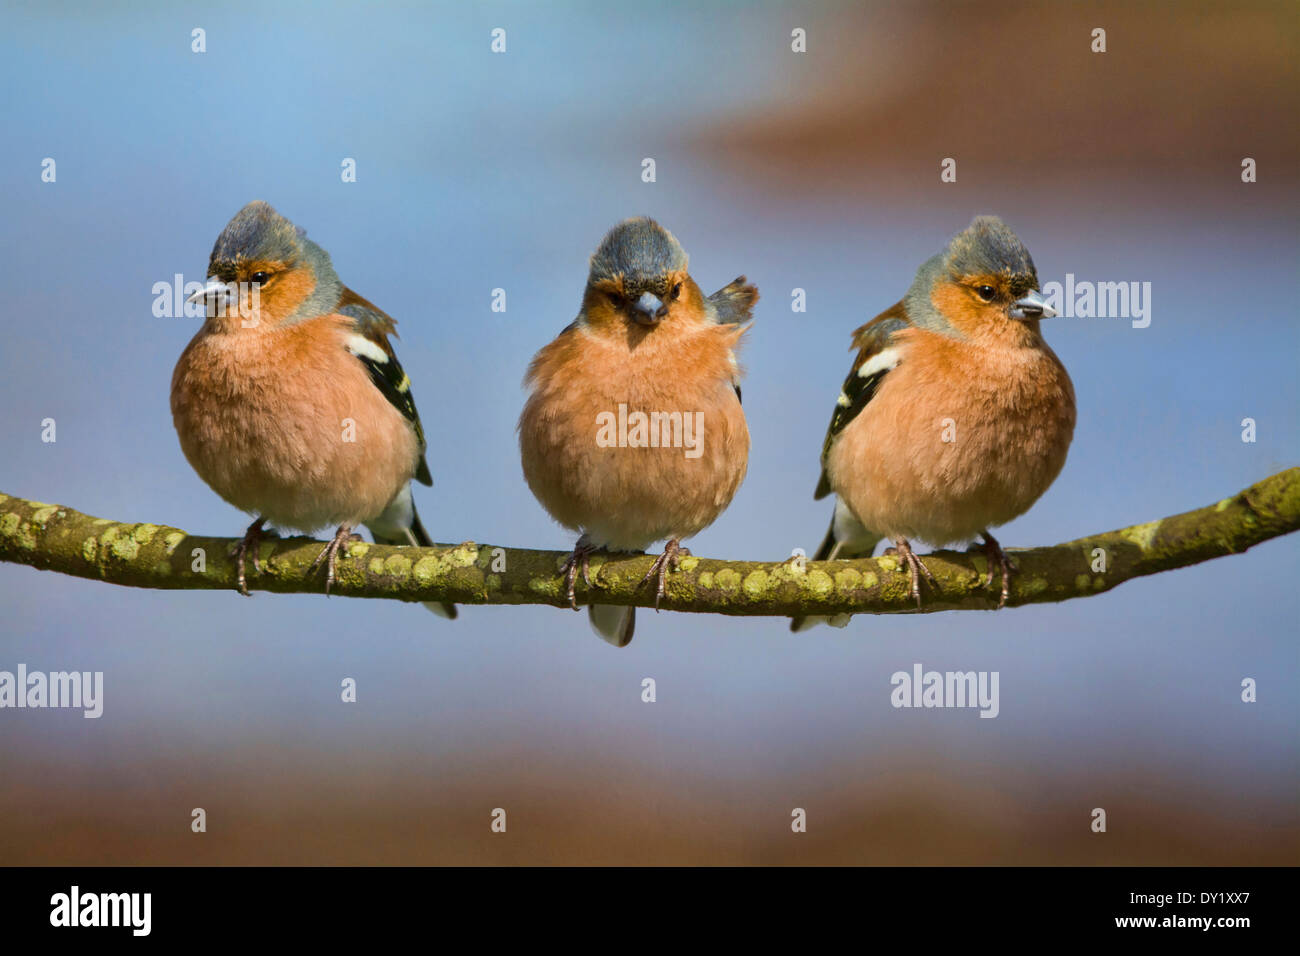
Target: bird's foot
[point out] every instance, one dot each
(582, 552)
(250, 542)
(915, 567)
(329, 554)
(995, 554)
(672, 556)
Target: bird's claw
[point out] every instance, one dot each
(251, 541)
(995, 554)
(915, 567)
(672, 556)
(580, 558)
(329, 554)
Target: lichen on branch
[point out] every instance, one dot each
(58, 538)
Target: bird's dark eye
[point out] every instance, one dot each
(257, 278)
(677, 290)
(615, 299)
(986, 292)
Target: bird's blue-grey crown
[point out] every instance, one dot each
(641, 251)
(259, 233)
(988, 246)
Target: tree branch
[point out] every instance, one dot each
(56, 538)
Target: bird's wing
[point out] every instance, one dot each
(371, 347)
(876, 357)
(734, 302)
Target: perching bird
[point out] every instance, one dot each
(633, 431)
(290, 402)
(955, 417)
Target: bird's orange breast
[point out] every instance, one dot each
(958, 438)
(283, 422)
(635, 437)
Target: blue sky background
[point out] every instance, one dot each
(478, 171)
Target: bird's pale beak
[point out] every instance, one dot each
(649, 309)
(1032, 306)
(220, 292)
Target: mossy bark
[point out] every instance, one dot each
(58, 538)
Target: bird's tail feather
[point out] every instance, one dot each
(827, 545)
(831, 548)
(414, 535)
(613, 623)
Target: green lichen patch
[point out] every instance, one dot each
(849, 579)
(727, 580)
(124, 547)
(144, 533)
(17, 531)
(426, 570)
(547, 587)
(819, 583)
(464, 555)
(43, 514)
(1143, 535)
(398, 566)
(1031, 586)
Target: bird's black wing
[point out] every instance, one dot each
(873, 342)
(375, 352)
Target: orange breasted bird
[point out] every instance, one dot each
(633, 431)
(290, 402)
(956, 415)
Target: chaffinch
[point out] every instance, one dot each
(955, 417)
(290, 402)
(633, 431)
